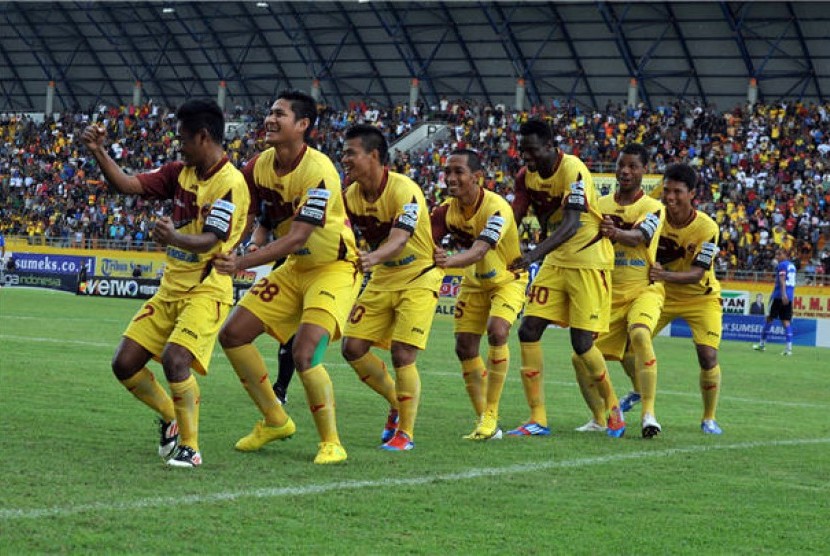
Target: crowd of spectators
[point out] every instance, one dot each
(765, 170)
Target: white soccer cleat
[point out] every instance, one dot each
(591, 426)
(651, 427)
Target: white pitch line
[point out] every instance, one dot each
(473, 473)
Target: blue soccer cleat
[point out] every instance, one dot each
(530, 429)
(710, 426)
(390, 427)
(616, 423)
(629, 400)
(401, 442)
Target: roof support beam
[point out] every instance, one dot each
(574, 55)
(17, 80)
(614, 25)
(735, 26)
(806, 51)
(369, 58)
(685, 48)
(466, 52)
(266, 45)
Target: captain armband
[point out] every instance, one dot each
(492, 231)
(408, 218)
(220, 218)
(577, 199)
(648, 227)
(313, 211)
(706, 256)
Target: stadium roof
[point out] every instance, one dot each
(96, 51)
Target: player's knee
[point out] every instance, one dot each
(497, 336)
(351, 349)
(640, 337)
(176, 363)
(707, 357)
(228, 338)
(531, 329)
(464, 351)
(121, 368)
(581, 340)
(403, 354)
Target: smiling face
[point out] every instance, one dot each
(356, 161)
(678, 200)
(630, 172)
(282, 125)
(461, 181)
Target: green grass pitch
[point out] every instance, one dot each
(79, 471)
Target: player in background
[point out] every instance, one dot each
(396, 308)
(310, 295)
(685, 264)
(781, 302)
(573, 286)
(491, 296)
(632, 221)
(179, 324)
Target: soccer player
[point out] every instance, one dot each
(310, 295)
(632, 221)
(573, 286)
(396, 308)
(781, 306)
(685, 264)
(179, 324)
(491, 296)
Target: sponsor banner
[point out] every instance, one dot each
(747, 328)
(607, 183)
(49, 280)
(114, 286)
(42, 263)
(124, 266)
(808, 302)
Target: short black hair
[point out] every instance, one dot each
(371, 138)
(682, 173)
(639, 150)
(196, 114)
(473, 160)
(303, 106)
(538, 128)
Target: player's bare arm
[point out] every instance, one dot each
(390, 249)
(658, 274)
(165, 233)
(93, 139)
(565, 231)
(629, 238)
(297, 236)
(475, 253)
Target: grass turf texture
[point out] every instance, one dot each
(80, 472)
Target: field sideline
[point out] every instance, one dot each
(80, 472)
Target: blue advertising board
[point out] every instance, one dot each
(53, 264)
(747, 328)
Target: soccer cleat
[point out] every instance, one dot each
(330, 452)
(280, 393)
(398, 443)
(787, 352)
(530, 429)
(169, 433)
(616, 423)
(487, 426)
(185, 456)
(591, 426)
(759, 347)
(390, 427)
(710, 426)
(263, 434)
(651, 427)
(629, 400)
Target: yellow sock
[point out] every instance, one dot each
(646, 364)
(371, 370)
(533, 371)
(589, 391)
(598, 372)
(144, 386)
(250, 368)
(710, 390)
(498, 362)
(629, 365)
(475, 379)
(186, 398)
(408, 387)
(320, 395)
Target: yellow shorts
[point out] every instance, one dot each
(643, 308)
(703, 315)
(386, 316)
(473, 308)
(192, 323)
(282, 299)
(575, 297)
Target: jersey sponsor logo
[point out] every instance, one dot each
(314, 202)
(222, 204)
(217, 223)
(486, 275)
(319, 193)
(182, 255)
(312, 213)
(400, 262)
